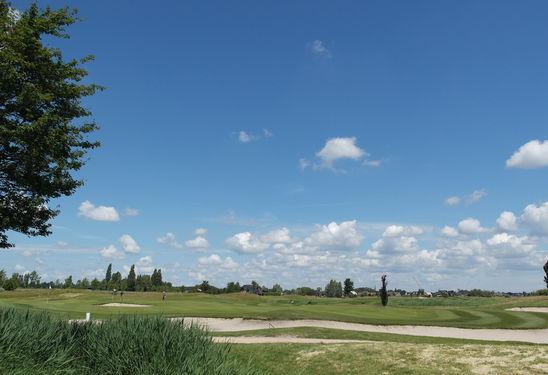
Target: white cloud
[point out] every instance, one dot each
(448, 231)
(129, 244)
(246, 242)
(452, 201)
(215, 260)
(372, 163)
(200, 231)
(277, 236)
(317, 47)
(536, 217)
(533, 154)
(197, 243)
(339, 148)
(244, 137)
(99, 213)
(247, 137)
(131, 212)
(169, 240)
(470, 226)
(399, 230)
(475, 196)
(344, 234)
(507, 222)
(511, 245)
(471, 198)
(111, 252)
(304, 163)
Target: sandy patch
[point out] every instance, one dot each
(282, 340)
(538, 336)
(123, 305)
(530, 309)
(70, 295)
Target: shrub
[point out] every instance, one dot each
(38, 343)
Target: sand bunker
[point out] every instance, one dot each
(530, 309)
(538, 336)
(123, 305)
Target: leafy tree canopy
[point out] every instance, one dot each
(43, 124)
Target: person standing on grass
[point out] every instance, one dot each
(164, 294)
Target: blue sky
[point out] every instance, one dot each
(302, 141)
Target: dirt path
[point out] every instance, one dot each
(538, 336)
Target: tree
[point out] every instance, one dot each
(277, 289)
(43, 125)
(383, 291)
(116, 281)
(68, 282)
(546, 272)
(131, 280)
(333, 289)
(10, 284)
(2, 277)
(156, 278)
(348, 287)
(233, 287)
(108, 276)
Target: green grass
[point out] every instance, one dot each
(395, 358)
(467, 312)
(39, 343)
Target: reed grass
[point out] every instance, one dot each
(40, 343)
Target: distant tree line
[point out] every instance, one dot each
(154, 282)
(112, 280)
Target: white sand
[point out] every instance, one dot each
(530, 309)
(539, 336)
(123, 305)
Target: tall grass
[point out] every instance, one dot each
(39, 343)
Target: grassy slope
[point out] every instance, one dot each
(457, 312)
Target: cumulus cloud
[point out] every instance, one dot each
(170, 240)
(129, 244)
(470, 226)
(318, 48)
(198, 242)
(536, 217)
(215, 260)
(245, 242)
(277, 236)
(345, 234)
(510, 245)
(340, 148)
(111, 252)
(533, 154)
(507, 222)
(448, 231)
(98, 213)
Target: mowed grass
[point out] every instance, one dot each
(395, 358)
(468, 312)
